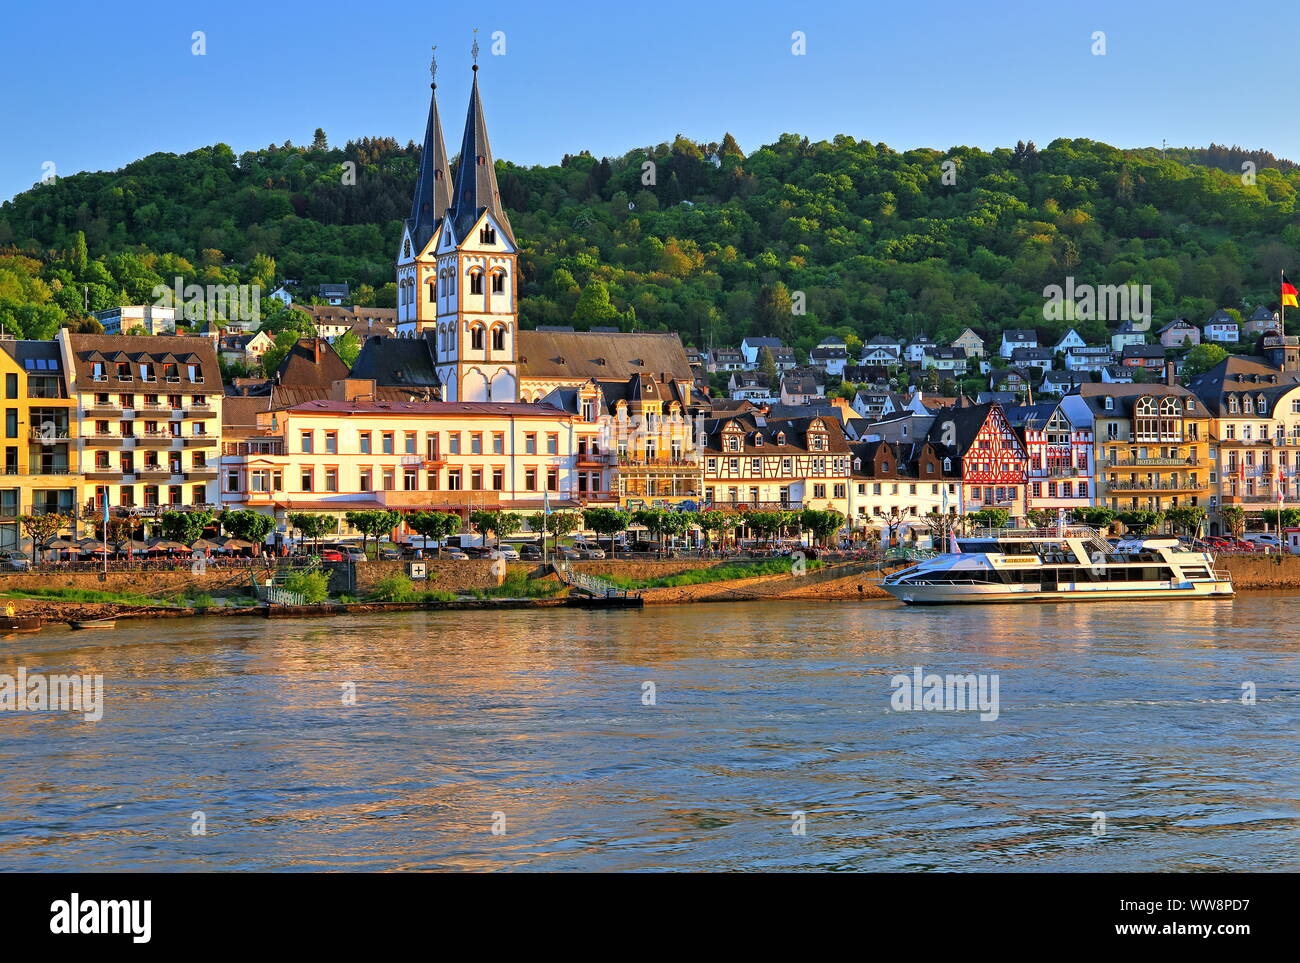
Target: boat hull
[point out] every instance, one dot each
(992, 594)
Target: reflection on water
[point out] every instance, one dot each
(1131, 709)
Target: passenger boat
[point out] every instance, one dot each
(1067, 564)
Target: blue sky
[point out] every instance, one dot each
(93, 86)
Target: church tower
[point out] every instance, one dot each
(476, 289)
(416, 262)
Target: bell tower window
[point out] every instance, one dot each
(498, 339)
(488, 235)
(498, 283)
(476, 283)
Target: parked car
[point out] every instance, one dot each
(455, 553)
(331, 555)
(15, 561)
(530, 553)
(1263, 539)
(591, 551)
(507, 553)
(388, 554)
(568, 553)
(354, 555)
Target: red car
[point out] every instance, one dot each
(331, 555)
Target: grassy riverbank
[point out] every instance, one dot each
(718, 573)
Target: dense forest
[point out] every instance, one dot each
(705, 240)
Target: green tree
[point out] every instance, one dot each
(313, 525)
(247, 524)
(608, 522)
(1201, 358)
(373, 523)
(438, 526)
(989, 518)
(348, 346)
(41, 528)
(822, 524)
(1234, 519)
(185, 527)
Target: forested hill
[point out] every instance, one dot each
(878, 241)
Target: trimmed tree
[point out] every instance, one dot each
(41, 528)
(608, 522)
(436, 525)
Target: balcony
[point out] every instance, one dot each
(201, 441)
(156, 471)
(760, 506)
(1170, 485)
(269, 447)
(50, 436)
(155, 439)
(657, 464)
(105, 441)
(105, 473)
(1151, 463)
(207, 473)
(103, 408)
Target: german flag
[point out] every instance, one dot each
(1288, 293)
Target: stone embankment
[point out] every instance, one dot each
(837, 582)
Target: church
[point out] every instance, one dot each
(458, 326)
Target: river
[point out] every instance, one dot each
(524, 740)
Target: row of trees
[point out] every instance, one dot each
(872, 239)
(185, 527)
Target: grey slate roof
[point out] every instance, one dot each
(476, 177)
(433, 185)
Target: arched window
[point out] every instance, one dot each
(498, 282)
(498, 339)
(476, 282)
(476, 337)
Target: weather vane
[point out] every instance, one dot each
(433, 65)
(474, 49)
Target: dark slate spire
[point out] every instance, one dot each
(476, 176)
(433, 187)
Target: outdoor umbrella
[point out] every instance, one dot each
(202, 543)
(93, 546)
(166, 545)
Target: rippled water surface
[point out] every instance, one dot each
(763, 710)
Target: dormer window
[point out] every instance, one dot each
(758, 441)
(123, 371)
(733, 443)
(857, 464)
(780, 437)
(1109, 404)
(947, 464)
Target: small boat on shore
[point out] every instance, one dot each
(20, 623)
(93, 623)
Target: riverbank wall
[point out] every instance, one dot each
(839, 582)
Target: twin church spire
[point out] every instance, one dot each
(475, 188)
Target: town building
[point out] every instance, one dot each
(42, 467)
(133, 318)
(1014, 338)
(782, 464)
(1059, 470)
(1179, 333)
(1151, 444)
(1221, 329)
(150, 416)
(1129, 333)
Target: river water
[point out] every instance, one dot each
(523, 740)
